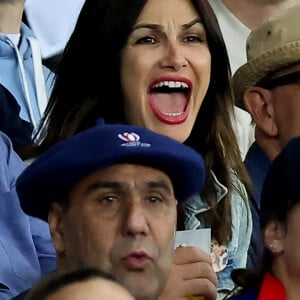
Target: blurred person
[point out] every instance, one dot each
(110, 196)
(26, 251)
(21, 72)
(278, 276)
(237, 19)
(81, 283)
(268, 87)
(168, 72)
(52, 22)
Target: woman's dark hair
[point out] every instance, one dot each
(55, 281)
(88, 87)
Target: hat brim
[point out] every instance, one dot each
(259, 67)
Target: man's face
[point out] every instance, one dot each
(122, 220)
(286, 101)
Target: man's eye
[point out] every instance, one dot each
(155, 199)
(108, 200)
(146, 40)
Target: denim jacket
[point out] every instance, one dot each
(241, 228)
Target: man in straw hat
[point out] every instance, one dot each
(110, 195)
(268, 87)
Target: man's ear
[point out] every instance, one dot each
(55, 217)
(274, 235)
(258, 102)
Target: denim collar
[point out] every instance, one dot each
(195, 205)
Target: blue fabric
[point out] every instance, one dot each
(26, 251)
(57, 170)
(21, 296)
(257, 164)
(10, 76)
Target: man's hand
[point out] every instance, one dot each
(191, 274)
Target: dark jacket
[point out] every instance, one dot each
(257, 164)
(18, 130)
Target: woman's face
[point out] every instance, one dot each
(165, 68)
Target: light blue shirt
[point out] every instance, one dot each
(18, 76)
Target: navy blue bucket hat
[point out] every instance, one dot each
(281, 189)
(53, 174)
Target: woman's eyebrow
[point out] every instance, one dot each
(192, 23)
(160, 27)
(148, 26)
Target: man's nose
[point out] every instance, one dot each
(135, 220)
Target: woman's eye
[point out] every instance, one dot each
(193, 39)
(146, 40)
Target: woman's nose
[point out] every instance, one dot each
(173, 58)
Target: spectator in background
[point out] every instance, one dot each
(237, 19)
(21, 73)
(26, 250)
(278, 276)
(19, 130)
(83, 283)
(110, 195)
(52, 22)
(268, 87)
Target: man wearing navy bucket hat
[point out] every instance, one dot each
(110, 196)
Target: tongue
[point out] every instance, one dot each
(172, 102)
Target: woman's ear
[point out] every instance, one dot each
(274, 235)
(55, 217)
(258, 102)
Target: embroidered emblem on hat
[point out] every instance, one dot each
(132, 140)
(129, 137)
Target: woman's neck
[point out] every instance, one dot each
(253, 12)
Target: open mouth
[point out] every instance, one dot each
(169, 100)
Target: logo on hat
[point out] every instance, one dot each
(129, 137)
(132, 140)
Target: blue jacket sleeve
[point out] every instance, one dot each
(26, 251)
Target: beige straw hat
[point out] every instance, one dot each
(272, 46)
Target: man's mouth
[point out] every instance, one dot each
(136, 261)
(169, 99)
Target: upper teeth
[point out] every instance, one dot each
(171, 84)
